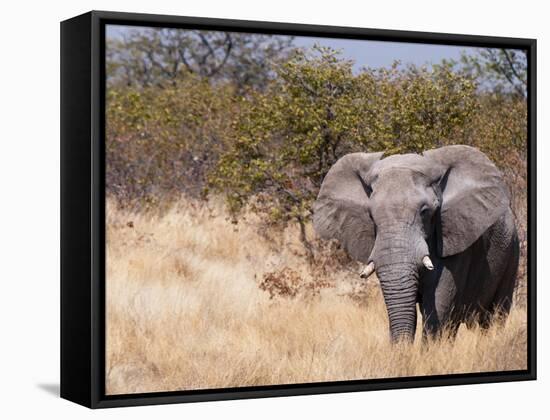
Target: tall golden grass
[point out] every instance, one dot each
(188, 306)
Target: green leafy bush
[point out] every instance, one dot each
(317, 110)
(162, 141)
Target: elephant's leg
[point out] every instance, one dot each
(505, 293)
(440, 294)
(496, 273)
(480, 317)
(451, 329)
(485, 319)
(448, 330)
(431, 323)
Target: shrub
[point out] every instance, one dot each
(287, 283)
(317, 110)
(161, 141)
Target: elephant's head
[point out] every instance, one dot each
(401, 214)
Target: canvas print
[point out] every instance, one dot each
(288, 209)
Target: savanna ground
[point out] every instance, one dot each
(195, 301)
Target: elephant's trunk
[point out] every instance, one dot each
(397, 269)
(399, 286)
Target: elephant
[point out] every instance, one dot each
(436, 227)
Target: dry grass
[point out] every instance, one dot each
(185, 310)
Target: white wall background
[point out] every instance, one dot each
(29, 215)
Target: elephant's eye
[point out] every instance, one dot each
(425, 210)
(368, 190)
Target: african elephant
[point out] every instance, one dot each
(437, 227)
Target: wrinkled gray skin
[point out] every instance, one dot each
(450, 204)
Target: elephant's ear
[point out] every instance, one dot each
(473, 194)
(341, 208)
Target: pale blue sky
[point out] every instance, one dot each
(384, 53)
(365, 53)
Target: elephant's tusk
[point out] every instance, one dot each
(367, 271)
(427, 263)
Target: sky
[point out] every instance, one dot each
(384, 53)
(365, 53)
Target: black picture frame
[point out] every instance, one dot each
(83, 208)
